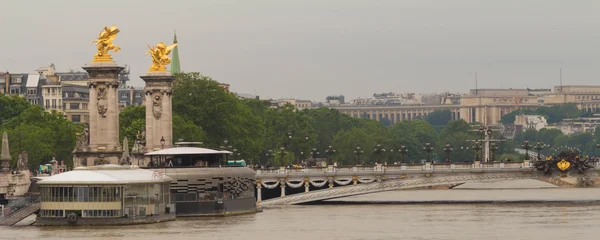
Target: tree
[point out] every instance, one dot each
(347, 141)
(439, 118)
(385, 122)
(42, 134)
(220, 114)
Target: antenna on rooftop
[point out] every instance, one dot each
(476, 89)
(561, 85)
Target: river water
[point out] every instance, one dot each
(571, 219)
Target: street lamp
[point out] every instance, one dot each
(225, 147)
(358, 152)
(526, 147)
(162, 142)
(448, 150)
(269, 155)
(538, 147)
(330, 151)
(289, 145)
(403, 150)
(428, 148)
(493, 148)
(378, 150)
(477, 148)
(281, 152)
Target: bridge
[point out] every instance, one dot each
(349, 181)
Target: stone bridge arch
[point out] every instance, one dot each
(378, 184)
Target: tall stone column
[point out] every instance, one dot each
(103, 146)
(5, 157)
(159, 118)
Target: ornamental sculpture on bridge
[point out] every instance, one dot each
(160, 56)
(566, 161)
(104, 43)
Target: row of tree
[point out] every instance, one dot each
(205, 112)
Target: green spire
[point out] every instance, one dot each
(175, 61)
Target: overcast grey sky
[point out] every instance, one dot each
(309, 49)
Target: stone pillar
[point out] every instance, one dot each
(306, 186)
(5, 155)
(104, 146)
(282, 186)
(159, 119)
(258, 192)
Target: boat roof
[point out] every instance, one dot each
(106, 174)
(187, 151)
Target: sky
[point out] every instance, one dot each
(309, 49)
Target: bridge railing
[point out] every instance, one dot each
(407, 168)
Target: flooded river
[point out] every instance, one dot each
(489, 221)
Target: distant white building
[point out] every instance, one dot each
(579, 125)
(536, 122)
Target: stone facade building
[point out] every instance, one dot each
(484, 106)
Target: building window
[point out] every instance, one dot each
(84, 106)
(53, 103)
(86, 118)
(47, 103)
(74, 106)
(124, 95)
(76, 118)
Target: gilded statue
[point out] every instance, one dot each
(104, 43)
(160, 56)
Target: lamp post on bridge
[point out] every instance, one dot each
(314, 154)
(330, 152)
(493, 149)
(526, 147)
(378, 150)
(428, 148)
(282, 153)
(289, 146)
(358, 152)
(269, 155)
(403, 150)
(226, 147)
(538, 147)
(306, 137)
(477, 149)
(448, 150)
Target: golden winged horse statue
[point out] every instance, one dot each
(160, 56)
(104, 43)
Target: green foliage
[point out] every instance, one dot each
(439, 118)
(385, 122)
(41, 134)
(200, 100)
(553, 114)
